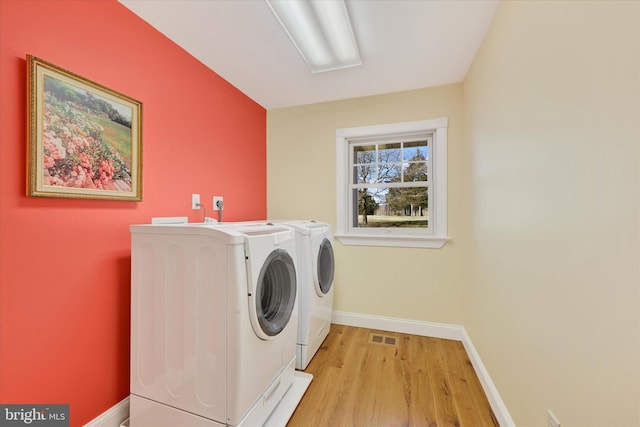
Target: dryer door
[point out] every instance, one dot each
(274, 299)
(324, 268)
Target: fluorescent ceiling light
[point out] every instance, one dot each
(320, 30)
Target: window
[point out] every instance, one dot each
(392, 184)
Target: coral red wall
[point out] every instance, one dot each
(64, 264)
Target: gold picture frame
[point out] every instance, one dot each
(85, 140)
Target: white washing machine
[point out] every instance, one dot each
(316, 268)
(214, 323)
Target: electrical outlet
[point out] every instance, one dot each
(218, 203)
(553, 421)
(195, 202)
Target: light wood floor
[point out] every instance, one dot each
(420, 381)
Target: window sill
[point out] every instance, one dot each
(392, 241)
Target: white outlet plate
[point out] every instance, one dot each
(553, 421)
(217, 199)
(195, 202)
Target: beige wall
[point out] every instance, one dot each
(420, 284)
(544, 209)
(552, 117)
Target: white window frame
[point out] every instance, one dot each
(436, 236)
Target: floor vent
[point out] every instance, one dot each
(383, 339)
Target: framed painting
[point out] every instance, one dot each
(85, 140)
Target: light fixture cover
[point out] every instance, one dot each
(320, 30)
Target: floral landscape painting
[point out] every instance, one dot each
(84, 140)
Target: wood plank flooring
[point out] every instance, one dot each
(420, 381)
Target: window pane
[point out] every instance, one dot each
(416, 150)
(389, 172)
(389, 153)
(415, 172)
(364, 154)
(391, 207)
(364, 174)
(409, 201)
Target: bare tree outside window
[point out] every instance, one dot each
(390, 184)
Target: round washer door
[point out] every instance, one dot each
(273, 301)
(325, 268)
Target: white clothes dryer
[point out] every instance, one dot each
(316, 269)
(214, 322)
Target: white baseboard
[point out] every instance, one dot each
(435, 330)
(405, 326)
(497, 405)
(113, 416)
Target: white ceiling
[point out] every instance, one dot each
(404, 45)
